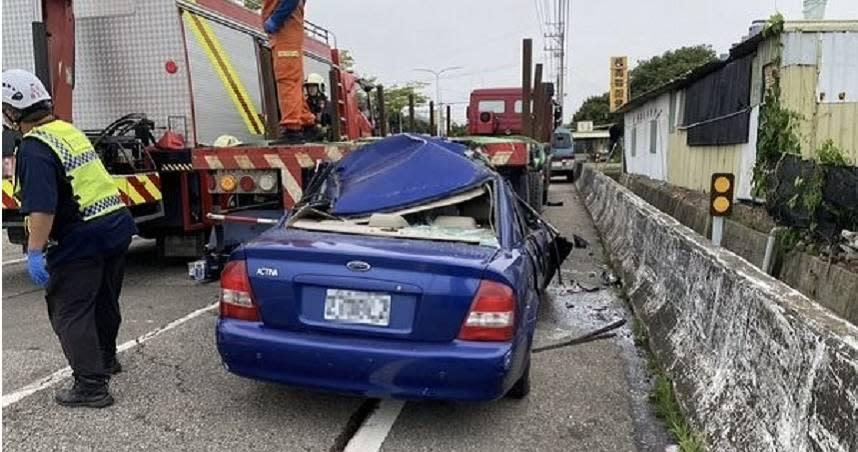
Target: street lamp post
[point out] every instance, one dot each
(437, 75)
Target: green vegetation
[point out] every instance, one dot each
(639, 333)
(775, 26)
(667, 408)
(659, 70)
(830, 154)
(788, 240)
(662, 395)
(596, 109)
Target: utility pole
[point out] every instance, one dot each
(526, 86)
(437, 75)
(556, 14)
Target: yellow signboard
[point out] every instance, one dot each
(619, 82)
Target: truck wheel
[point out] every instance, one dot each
(521, 388)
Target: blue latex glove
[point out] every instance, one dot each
(36, 268)
(269, 26)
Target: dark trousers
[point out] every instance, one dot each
(83, 306)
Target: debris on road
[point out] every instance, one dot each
(601, 333)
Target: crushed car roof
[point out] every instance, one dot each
(401, 171)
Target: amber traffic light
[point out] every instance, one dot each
(721, 194)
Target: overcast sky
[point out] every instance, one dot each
(390, 38)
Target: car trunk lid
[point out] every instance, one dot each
(411, 289)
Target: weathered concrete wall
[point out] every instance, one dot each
(756, 365)
(829, 285)
(833, 286)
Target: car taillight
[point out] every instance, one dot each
(492, 314)
(236, 296)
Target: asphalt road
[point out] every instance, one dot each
(175, 395)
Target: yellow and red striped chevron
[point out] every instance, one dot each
(133, 189)
(9, 200)
(139, 189)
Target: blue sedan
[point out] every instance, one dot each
(409, 270)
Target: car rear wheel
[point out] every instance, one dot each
(521, 388)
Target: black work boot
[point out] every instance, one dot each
(85, 392)
(112, 366)
(289, 136)
(314, 134)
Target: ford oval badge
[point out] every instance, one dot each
(359, 266)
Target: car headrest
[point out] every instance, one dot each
(447, 221)
(387, 221)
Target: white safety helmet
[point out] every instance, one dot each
(226, 141)
(315, 80)
(22, 89)
(23, 94)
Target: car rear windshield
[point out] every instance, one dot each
(467, 217)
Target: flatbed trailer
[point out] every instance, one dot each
(521, 160)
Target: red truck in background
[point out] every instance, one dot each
(497, 112)
(497, 127)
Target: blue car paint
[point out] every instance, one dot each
(399, 171)
(418, 356)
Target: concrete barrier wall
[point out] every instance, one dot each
(756, 365)
(828, 284)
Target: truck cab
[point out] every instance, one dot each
(495, 111)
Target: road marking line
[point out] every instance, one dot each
(60, 375)
(136, 239)
(372, 433)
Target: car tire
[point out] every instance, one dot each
(521, 388)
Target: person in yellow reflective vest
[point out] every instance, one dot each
(79, 232)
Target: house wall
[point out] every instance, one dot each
(816, 69)
(692, 166)
(646, 138)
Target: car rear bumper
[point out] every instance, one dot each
(371, 367)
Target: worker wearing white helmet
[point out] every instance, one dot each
(316, 95)
(79, 231)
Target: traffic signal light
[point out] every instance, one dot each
(721, 194)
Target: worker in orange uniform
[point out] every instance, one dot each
(284, 23)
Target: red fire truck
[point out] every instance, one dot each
(188, 72)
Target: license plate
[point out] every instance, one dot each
(352, 306)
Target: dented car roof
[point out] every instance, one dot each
(401, 171)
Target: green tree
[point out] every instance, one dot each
(347, 61)
(396, 103)
(659, 70)
(596, 109)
